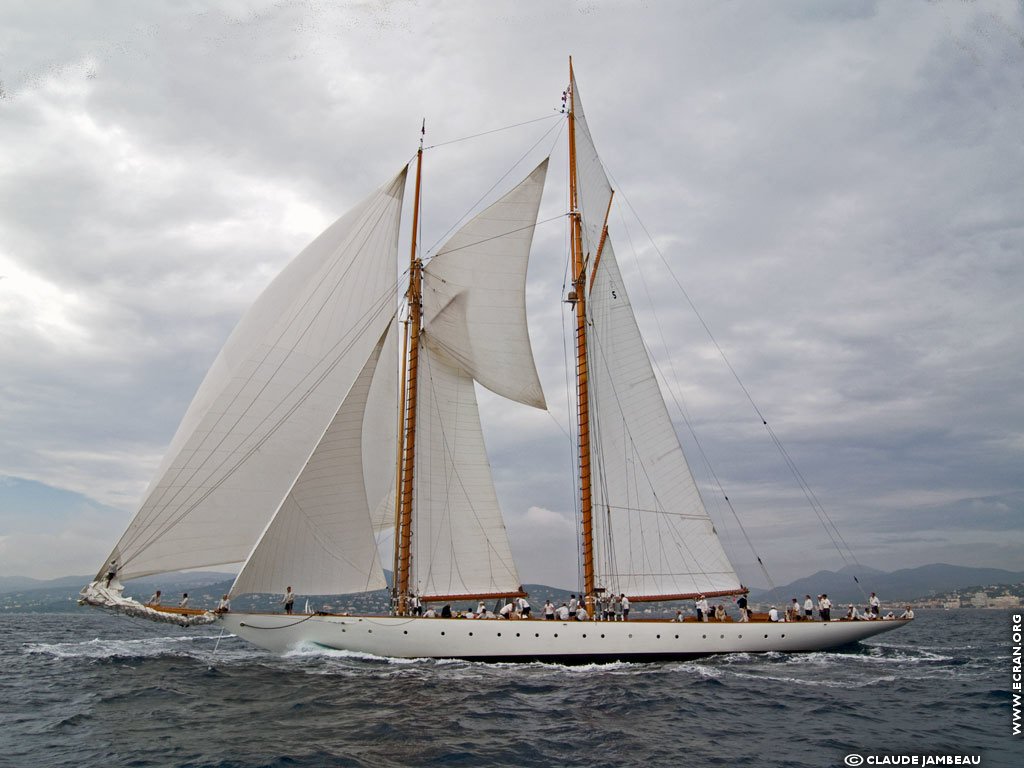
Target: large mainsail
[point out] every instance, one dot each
(269, 397)
(474, 329)
(652, 536)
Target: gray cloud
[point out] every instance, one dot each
(836, 187)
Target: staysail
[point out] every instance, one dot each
(321, 537)
(652, 536)
(474, 294)
(474, 330)
(269, 397)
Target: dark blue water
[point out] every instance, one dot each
(92, 689)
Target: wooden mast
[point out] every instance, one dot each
(582, 387)
(403, 501)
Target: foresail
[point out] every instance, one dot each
(321, 541)
(652, 535)
(269, 397)
(474, 294)
(461, 546)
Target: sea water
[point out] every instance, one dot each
(95, 689)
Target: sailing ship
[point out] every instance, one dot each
(312, 435)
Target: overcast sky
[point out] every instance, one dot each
(837, 186)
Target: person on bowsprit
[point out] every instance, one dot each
(155, 599)
(224, 606)
(288, 601)
(183, 603)
(907, 614)
(111, 573)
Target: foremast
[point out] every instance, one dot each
(407, 436)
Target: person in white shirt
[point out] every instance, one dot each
(679, 615)
(875, 605)
(702, 609)
(794, 610)
(773, 614)
(808, 608)
(288, 600)
(825, 608)
(224, 606)
(625, 606)
(506, 611)
(524, 607)
(430, 613)
(156, 598)
(549, 610)
(563, 613)
(573, 604)
(184, 601)
(907, 614)
(581, 614)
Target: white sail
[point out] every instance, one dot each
(380, 435)
(592, 187)
(321, 541)
(652, 535)
(460, 545)
(474, 294)
(269, 397)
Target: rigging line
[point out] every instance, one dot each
(216, 646)
(502, 234)
(282, 626)
(680, 406)
(514, 165)
(736, 376)
(494, 130)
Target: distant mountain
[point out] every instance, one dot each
(905, 584)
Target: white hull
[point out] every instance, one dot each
(565, 642)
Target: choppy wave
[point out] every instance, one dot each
(137, 694)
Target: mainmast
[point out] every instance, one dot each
(407, 438)
(578, 298)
